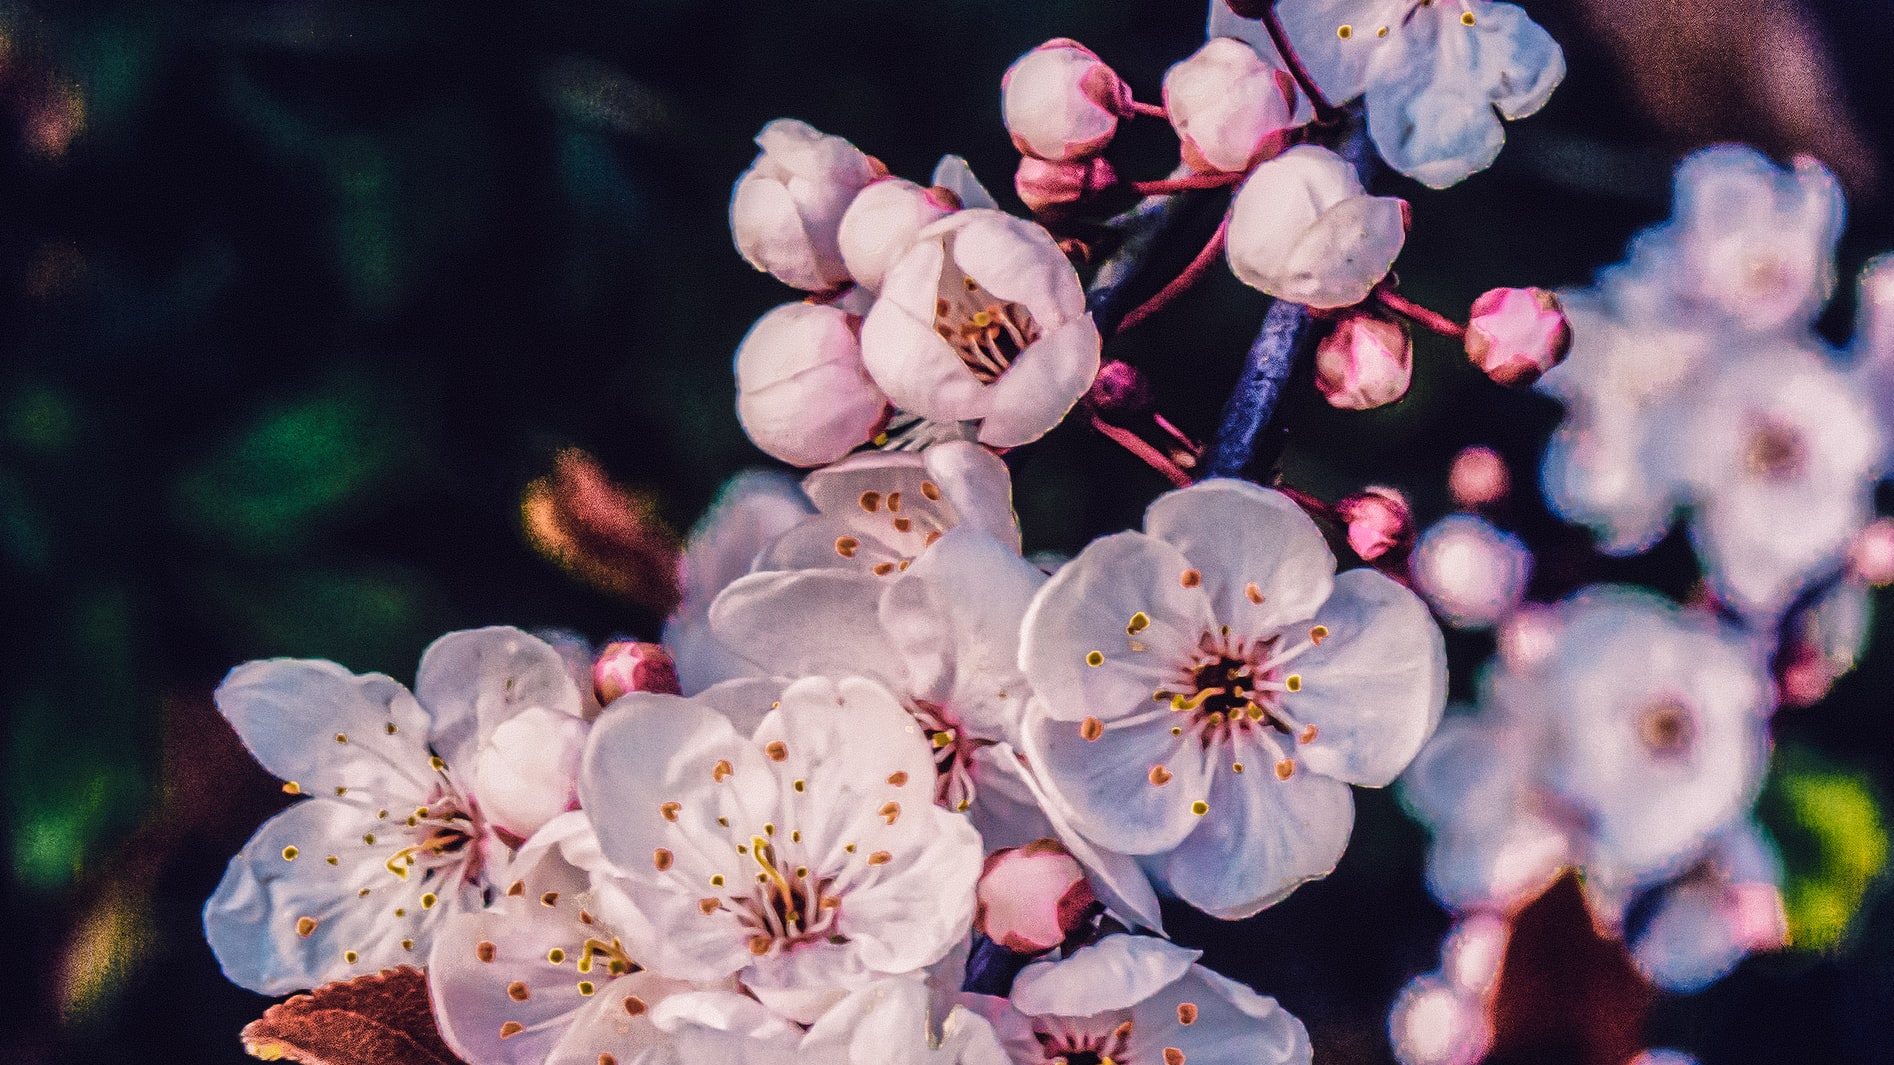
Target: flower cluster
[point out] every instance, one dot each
(889, 789)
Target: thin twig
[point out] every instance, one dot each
(1273, 23)
(1166, 186)
(1252, 406)
(1135, 444)
(1190, 275)
(1149, 110)
(1431, 321)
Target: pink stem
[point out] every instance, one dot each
(1176, 434)
(1147, 110)
(1183, 281)
(1152, 457)
(1167, 186)
(1419, 315)
(1273, 23)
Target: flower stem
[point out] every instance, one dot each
(1166, 186)
(1273, 23)
(1191, 274)
(1148, 110)
(1419, 315)
(1135, 444)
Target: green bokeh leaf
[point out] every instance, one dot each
(1829, 821)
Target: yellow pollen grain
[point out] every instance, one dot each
(1094, 658)
(290, 853)
(759, 945)
(390, 728)
(587, 987)
(716, 880)
(799, 784)
(890, 812)
(1318, 634)
(1285, 769)
(1199, 807)
(550, 898)
(1253, 593)
(880, 858)
(1236, 767)
(556, 956)
(1344, 31)
(428, 900)
(341, 737)
(1138, 623)
(305, 926)
(369, 839)
(351, 957)
(1467, 18)
(1293, 682)
(333, 860)
(437, 762)
(290, 787)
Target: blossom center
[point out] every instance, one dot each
(787, 905)
(1775, 451)
(442, 838)
(954, 748)
(987, 332)
(1667, 728)
(1075, 1045)
(1232, 689)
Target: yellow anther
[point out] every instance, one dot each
(1200, 807)
(1094, 658)
(1138, 623)
(290, 853)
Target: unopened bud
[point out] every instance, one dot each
(1060, 101)
(1031, 898)
(1366, 362)
(626, 666)
(1046, 185)
(1231, 108)
(1380, 523)
(1479, 478)
(1120, 392)
(1516, 334)
(1871, 558)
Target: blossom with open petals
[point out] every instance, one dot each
(1138, 1000)
(1302, 228)
(398, 828)
(1207, 689)
(983, 320)
(807, 858)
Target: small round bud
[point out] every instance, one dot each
(1479, 478)
(1047, 185)
(1380, 523)
(1871, 558)
(1434, 1023)
(1366, 362)
(1516, 334)
(1061, 101)
(1231, 108)
(625, 666)
(1472, 573)
(1031, 898)
(803, 394)
(882, 223)
(1120, 392)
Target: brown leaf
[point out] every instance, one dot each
(384, 1019)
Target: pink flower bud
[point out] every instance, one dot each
(1061, 101)
(1366, 362)
(882, 223)
(1871, 559)
(1030, 898)
(1045, 185)
(1231, 108)
(1516, 334)
(1479, 478)
(625, 666)
(1120, 391)
(1380, 523)
(803, 394)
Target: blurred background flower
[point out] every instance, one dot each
(304, 306)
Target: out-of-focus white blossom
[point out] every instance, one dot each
(1231, 108)
(1479, 478)
(1434, 1022)
(1139, 999)
(1207, 689)
(1303, 229)
(1514, 335)
(1366, 361)
(983, 321)
(1061, 101)
(404, 797)
(1578, 760)
(1725, 908)
(807, 858)
(787, 208)
(803, 395)
(1436, 76)
(1470, 571)
(883, 221)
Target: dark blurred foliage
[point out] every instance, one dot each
(299, 299)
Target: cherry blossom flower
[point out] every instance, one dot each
(1437, 76)
(1231, 108)
(786, 211)
(983, 320)
(1208, 688)
(808, 858)
(752, 511)
(1136, 1000)
(803, 395)
(1061, 101)
(1445, 1017)
(398, 826)
(1303, 229)
(878, 511)
(1575, 760)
